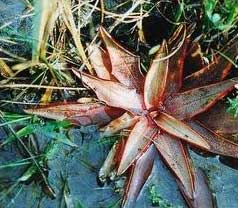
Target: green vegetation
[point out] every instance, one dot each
(157, 200)
(232, 106)
(221, 15)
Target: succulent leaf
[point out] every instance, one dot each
(156, 78)
(219, 120)
(177, 44)
(179, 129)
(113, 93)
(125, 64)
(176, 156)
(127, 120)
(219, 145)
(78, 113)
(137, 143)
(187, 104)
(100, 62)
(138, 175)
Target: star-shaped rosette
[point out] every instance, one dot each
(158, 109)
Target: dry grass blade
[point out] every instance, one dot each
(5, 70)
(46, 97)
(40, 87)
(68, 18)
(45, 17)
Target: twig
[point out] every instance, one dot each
(41, 86)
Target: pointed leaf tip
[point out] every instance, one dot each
(113, 93)
(138, 141)
(156, 78)
(192, 183)
(77, 113)
(177, 157)
(187, 104)
(219, 145)
(177, 46)
(138, 176)
(100, 61)
(127, 120)
(125, 65)
(202, 196)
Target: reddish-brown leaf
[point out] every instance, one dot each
(219, 120)
(202, 197)
(108, 165)
(187, 104)
(100, 61)
(179, 129)
(156, 78)
(138, 175)
(138, 141)
(125, 65)
(125, 121)
(218, 144)
(177, 158)
(191, 182)
(113, 93)
(178, 44)
(108, 169)
(216, 71)
(78, 113)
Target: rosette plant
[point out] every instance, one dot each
(158, 109)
